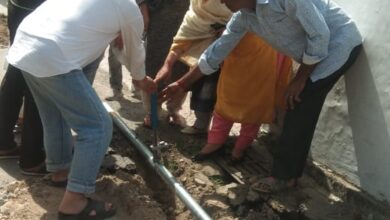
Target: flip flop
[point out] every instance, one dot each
(268, 185)
(58, 184)
(10, 154)
(92, 205)
(40, 172)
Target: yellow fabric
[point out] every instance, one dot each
(195, 33)
(250, 86)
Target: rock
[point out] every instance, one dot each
(202, 179)
(211, 169)
(242, 211)
(214, 204)
(237, 195)
(183, 179)
(115, 162)
(223, 190)
(199, 182)
(252, 196)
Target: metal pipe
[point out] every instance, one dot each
(183, 195)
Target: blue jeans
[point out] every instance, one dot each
(66, 102)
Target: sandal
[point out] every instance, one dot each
(203, 156)
(85, 214)
(41, 171)
(50, 182)
(10, 154)
(272, 185)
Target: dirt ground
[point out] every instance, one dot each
(139, 193)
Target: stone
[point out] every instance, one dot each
(115, 162)
(237, 195)
(252, 196)
(223, 190)
(202, 179)
(213, 205)
(211, 169)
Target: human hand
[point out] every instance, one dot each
(146, 84)
(293, 91)
(163, 74)
(172, 91)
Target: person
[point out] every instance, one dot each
(250, 98)
(201, 25)
(13, 92)
(114, 66)
(51, 47)
(320, 36)
(164, 20)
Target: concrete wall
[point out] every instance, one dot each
(352, 136)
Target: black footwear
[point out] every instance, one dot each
(58, 184)
(92, 205)
(202, 157)
(235, 161)
(10, 154)
(41, 172)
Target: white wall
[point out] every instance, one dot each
(352, 136)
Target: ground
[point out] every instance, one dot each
(139, 193)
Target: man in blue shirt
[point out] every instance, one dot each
(320, 36)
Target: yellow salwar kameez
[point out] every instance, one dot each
(252, 82)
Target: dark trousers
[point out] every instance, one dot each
(300, 123)
(204, 93)
(13, 89)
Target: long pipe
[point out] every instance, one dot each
(184, 196)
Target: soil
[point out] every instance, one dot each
(139, 193)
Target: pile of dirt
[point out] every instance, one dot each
(33, 199)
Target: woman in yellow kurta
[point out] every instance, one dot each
(251, 80)
(250, 89)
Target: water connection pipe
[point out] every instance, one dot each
(183, 195)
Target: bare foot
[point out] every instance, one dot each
(59, 176)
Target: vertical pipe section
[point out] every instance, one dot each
(183, 195)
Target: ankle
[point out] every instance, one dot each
(72, 202)
(209, 148)
(60, 175)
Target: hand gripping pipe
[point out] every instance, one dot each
(183, 195)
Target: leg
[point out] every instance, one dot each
(11, 97)
(248, 133)
(299, 125)
(217, 136)
(74, 104)
(71, 100)
(115, 71)
(32, 153)
(203, 98)
(174, 107)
